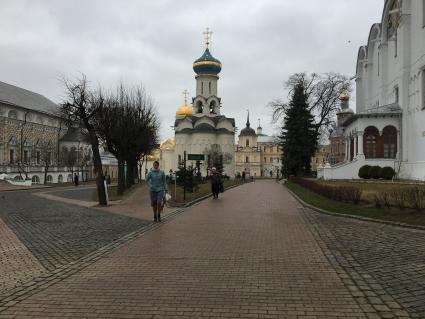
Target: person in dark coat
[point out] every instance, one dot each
(215, 182)
(76, 179)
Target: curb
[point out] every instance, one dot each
(367, 219)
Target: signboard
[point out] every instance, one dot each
(195, 157)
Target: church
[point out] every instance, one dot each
(388, 127)
(202, 131)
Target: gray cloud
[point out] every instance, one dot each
(260, 43)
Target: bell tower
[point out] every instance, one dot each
(207, 69)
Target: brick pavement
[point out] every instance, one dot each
(387, 263)
(55, 233)
(250, 254)
(18, 265)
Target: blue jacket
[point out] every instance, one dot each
(156, 180)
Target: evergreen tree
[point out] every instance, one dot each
(299, 135)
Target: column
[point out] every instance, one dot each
(355, 146)
(398, 155)
(360, 154)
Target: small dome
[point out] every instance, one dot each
(344, 96)
(184, 110)
(247, 131)
(207, 64)
(167, 144)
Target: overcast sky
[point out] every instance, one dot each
(154, 43)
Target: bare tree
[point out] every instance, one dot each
(46, 158)
(323, 93)
(129, 126)
(81, 107)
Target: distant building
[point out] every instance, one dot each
(321, 157)
(257, 154)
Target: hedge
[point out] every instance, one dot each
(342, 194)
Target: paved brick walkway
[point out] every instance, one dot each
(18, 265)
(250, 254)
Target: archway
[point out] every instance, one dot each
(370, 141)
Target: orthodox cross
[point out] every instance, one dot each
(207, 37)
(185, 93)
(259, 124)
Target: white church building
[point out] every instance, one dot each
(388, 128)
(201, 129)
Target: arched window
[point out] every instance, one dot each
(247, 142)
(49, 179)
(12, 114)
(35, 179)
(212, 107)
(371, 142)
(390, 141)
(199, 107)
(60, 179)
(69, 178)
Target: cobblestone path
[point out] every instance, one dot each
(249, 254)
(39, 236)
(386, 263)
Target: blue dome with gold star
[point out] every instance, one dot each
(207, 64)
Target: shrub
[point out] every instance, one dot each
(400, 198)
(364, 171)
(345, 193)
(415, 196)
(382, 199)
(375, 172)
(387, 173)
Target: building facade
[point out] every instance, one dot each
(388, 128)
(34, 139)
(257, 154)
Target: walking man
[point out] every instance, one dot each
(157, 188)
(215, 182)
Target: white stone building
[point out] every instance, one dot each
(202, 128)
(388, 128)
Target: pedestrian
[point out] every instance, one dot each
(76, 179)
(215, 182)
(157, 188)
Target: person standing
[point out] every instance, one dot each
(215, 182)
(157, 187)
(76, 179)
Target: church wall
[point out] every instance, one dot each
(204, 83)
(198, 143)
(225, 124)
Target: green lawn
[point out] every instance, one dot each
(407, 216)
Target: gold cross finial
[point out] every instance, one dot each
(207, 37)
(185, 93)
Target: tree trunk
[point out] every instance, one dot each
(131, 166)
(46, 168)
(121, 177)
(101, 192)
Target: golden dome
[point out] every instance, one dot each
(168, 144)
(344, 96)
(184, 110)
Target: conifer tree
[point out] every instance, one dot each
(299, 134)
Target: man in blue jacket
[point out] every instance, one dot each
(157, 188)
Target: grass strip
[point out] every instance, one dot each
(407, 216)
